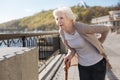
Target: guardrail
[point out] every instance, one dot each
(47, 42)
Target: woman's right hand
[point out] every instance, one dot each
(67, 61)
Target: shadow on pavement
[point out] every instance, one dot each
(111, 75)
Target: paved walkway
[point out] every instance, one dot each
(112, 46)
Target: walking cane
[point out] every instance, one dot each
(66, 72)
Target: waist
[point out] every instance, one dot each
(103, 60)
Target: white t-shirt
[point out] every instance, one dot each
(87, 54)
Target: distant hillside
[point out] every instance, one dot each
(44, 20)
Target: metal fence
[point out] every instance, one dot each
(47, 42)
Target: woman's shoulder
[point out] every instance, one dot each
(80, 24)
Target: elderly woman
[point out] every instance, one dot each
(80, 39)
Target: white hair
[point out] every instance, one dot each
(67, 11)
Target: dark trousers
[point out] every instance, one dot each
(94, 72)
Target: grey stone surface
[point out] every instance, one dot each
(19, 64)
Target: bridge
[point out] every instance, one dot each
(39, 56)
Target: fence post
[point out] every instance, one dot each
(23, 41)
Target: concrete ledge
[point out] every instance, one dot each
(18, 63)
(51, 68)
(45, 63)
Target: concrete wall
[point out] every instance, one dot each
(19, 64)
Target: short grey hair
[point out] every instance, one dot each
(67, 11)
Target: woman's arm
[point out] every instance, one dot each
(71, 51)
(91, 29)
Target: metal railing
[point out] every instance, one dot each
(47, 42)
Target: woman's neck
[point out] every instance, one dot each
(70, 29)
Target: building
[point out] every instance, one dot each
(113, 19)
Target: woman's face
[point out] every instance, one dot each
(62, 20)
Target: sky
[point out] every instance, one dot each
(16, 9)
